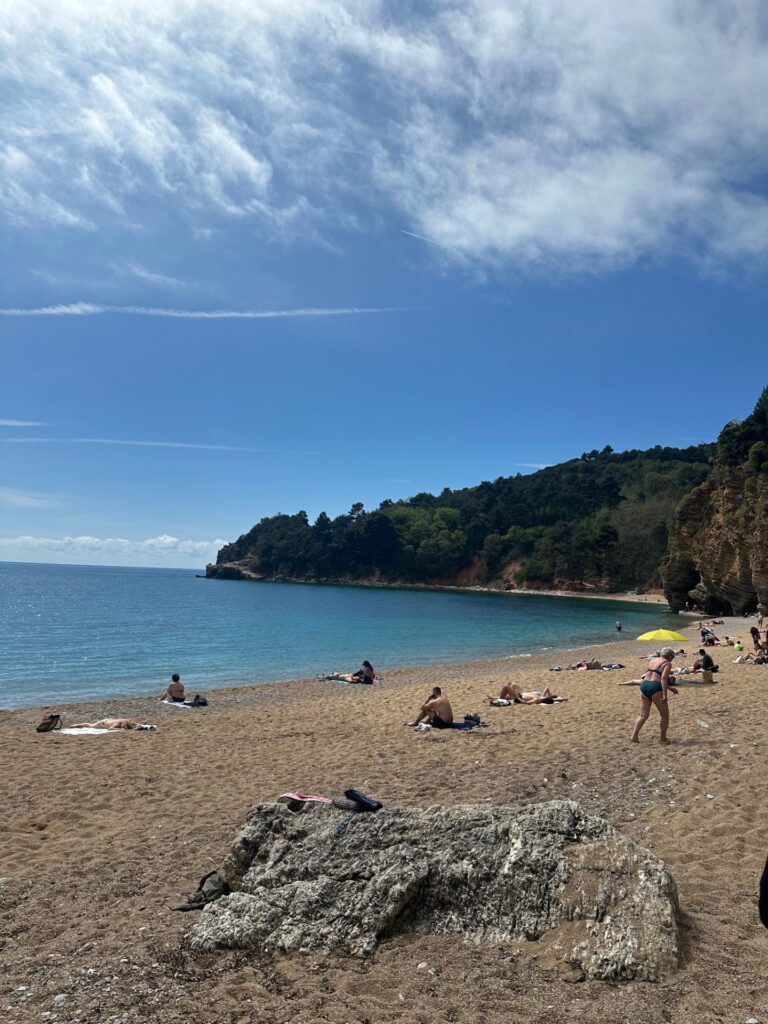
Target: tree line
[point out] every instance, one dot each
(601, 519)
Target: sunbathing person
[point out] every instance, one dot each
(112, 724)
(436, 710)
(516, 694)
(584, 666)
(365, 674)
(175, 692)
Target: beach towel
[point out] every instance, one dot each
(69, 731)
(311, 798)
(346, 677)
(88, 731)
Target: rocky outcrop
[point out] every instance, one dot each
(718, 552)
(548, 873)
(231, 571)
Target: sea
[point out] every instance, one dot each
(74, 633)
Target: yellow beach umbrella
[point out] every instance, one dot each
(662, 634)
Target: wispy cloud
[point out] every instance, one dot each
(21, 423)
(91, 309)
(12, 498)
(536, 135)
(152, 444)
(150, 277)
(150, 550)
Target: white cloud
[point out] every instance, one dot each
(161, 550)
(150, 444)
(91, 309)
(564, 134)
(21, 423)
(12, 498)
(140, 273)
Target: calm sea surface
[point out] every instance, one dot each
(72, 633)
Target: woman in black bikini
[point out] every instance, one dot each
(653, 690)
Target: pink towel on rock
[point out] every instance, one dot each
(307, 797)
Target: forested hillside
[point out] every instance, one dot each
(600, 520)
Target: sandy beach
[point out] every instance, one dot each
(102, 834)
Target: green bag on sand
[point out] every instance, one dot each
(212, 886)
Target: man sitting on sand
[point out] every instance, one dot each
(516, 694)
(436, 710)
(112, 724)
(175, 692)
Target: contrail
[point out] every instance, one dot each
(151, 444)
(90, 309)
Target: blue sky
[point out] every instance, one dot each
(441, 248)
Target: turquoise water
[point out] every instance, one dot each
(73, 633)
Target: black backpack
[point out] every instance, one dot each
(49, 723)
(198, 701)
(364, 803)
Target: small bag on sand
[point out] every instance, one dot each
(49, 723)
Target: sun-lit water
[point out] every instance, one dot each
(79, 632)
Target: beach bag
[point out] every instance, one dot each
(198, 701)
(49, 723)
(364, 803)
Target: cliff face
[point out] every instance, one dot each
(717, 548)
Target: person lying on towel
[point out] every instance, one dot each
(514, 693)
(112, 724)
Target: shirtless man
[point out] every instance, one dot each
(436, 710)
(175, 691)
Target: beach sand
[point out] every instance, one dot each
(101, 834)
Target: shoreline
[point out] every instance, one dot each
(252, 694)
(629, 597)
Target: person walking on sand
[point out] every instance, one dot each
(653, 691)
(436, 710)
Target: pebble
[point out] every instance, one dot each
(753, 1020)
(704, 725)
(710, 796)
(60, 998)
(422, 966)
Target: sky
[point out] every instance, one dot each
(267, 257)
